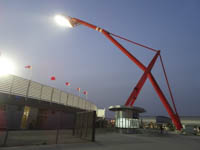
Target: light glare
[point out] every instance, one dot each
(62, 21)
(6, 66)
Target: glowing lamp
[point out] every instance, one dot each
(6, 66)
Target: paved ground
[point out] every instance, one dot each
(39, 137)
(116, 141)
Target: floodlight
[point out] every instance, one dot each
(6, 66)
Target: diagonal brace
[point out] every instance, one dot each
(137, 89)
(162, 97)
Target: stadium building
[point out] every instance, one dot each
(26, 104)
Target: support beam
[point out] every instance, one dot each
(163, 99)
(137, 89)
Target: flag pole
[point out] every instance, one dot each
(68, 86)
(85, 93)
(78, 89)
(31, 73)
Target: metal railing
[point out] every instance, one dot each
(83, 130)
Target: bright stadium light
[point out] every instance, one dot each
(63, 21)
(6, 66)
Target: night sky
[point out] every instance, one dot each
(86, 59)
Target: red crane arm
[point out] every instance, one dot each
(163, 99)
(141, 82)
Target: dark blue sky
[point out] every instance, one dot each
(86, 59)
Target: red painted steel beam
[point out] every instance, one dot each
(135, 43)
(137, 89)
(163, 99)
(170, 91)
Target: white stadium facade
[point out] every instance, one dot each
(28, 104)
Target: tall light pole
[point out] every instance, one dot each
(72, 22)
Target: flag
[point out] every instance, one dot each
(78, 89)
(67, 84)
(85, 92)
(53, 78)
(28, 67)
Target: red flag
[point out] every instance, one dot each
(78, 89)
(28, 67)
(67, 84)
(53, 78)
(85, 92)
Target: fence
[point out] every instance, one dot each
(83, 131)
(85, 125)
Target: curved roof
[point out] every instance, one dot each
(123, 108)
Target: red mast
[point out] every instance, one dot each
(147, 71)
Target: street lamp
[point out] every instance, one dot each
(6, 66)
(64, 21)
(72, 22)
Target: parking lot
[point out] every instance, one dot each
(117, 141)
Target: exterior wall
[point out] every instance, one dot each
(124, 119)
(148, 119)
(70, 100)
(56, 96)
(35, 90)
(163, 120)
(13, 116)
(63, 98)
(101, 113)
(14, 85)
(45, 105)
(127, 123)
(32, 118)
(192, 120)
(10, 116)
(3, 121)
(188, 120)
(50, 119)
(46, 93)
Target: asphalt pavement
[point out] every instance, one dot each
(118, 141)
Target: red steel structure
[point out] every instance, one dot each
(147, 70)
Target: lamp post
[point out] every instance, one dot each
(72, 22)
